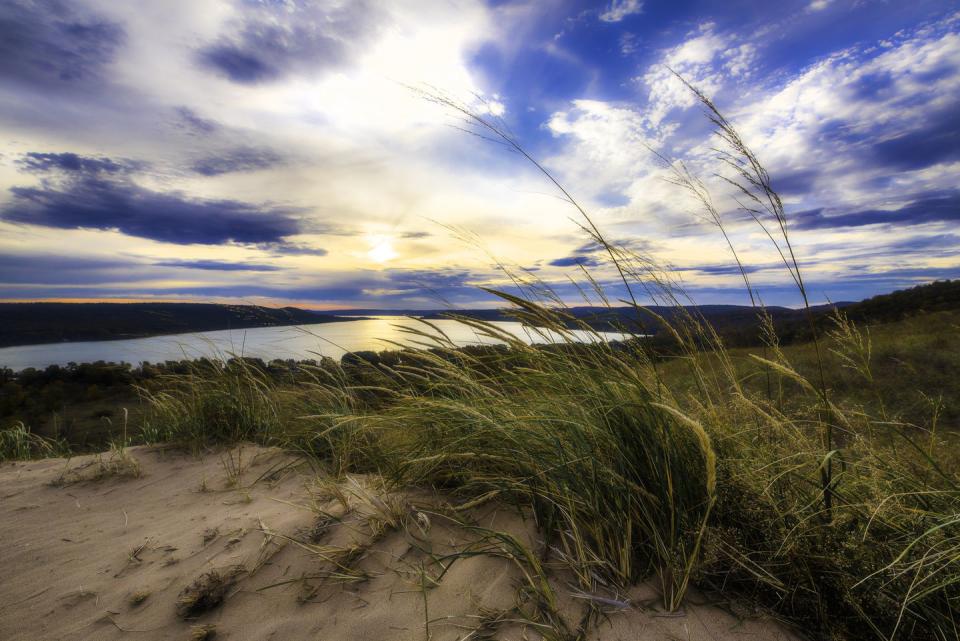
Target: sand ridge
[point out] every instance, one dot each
(275, 550)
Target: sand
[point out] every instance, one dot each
(252, 544)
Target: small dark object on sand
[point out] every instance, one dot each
(206, 592)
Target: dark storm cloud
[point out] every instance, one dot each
(274, 39)
(936, 208)
(219, 265)
(92, 193)
(236, 160)
(48, 42)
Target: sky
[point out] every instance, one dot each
(282, 152)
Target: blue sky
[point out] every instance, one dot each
(273, 151)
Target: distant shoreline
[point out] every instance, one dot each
(29, 324)
(338, 319)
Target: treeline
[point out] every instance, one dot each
(741, 326)
(35, 323)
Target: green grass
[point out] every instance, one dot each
(18, 443)
(913, 374)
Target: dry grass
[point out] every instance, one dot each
(203, 632)
(117, 463)
(207, 592)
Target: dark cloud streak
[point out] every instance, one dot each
(195, 124)
(937, 141)
(94, 193)
(237, 160)
(938, 207)
(573, 261)
(51, 43)
(44, 269)
(219, 265)
(69, 162)
(272, 41)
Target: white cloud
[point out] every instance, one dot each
(706, 59)
(815, 128)
(818, 119)
(608, 144)
(628, 43)
(620, 9)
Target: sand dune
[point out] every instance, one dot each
(252, 544)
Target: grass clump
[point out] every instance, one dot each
(216, 401)
(138, 597)
(623, 484)
(116, 463)
(207, 592)
(203, 632)
(18, 443)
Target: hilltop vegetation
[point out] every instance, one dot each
(81, 403)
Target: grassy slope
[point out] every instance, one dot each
(915, 363)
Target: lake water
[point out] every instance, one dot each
(297, 342)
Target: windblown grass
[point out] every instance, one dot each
(843, 519)
(18, 443)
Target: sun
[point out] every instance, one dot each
(381, 248)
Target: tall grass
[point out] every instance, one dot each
(840, 520)
(18, 443)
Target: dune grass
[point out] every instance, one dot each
(739, 473)
(18, 443)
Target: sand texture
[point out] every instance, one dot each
(252, 544)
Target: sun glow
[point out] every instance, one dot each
(381, 248)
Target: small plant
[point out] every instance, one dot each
(207, 591)
(233, 468)
(204, 632)
(18, 443)
(138, 597)
(210, 534)
(116, 463)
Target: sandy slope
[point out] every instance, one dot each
(111, 558)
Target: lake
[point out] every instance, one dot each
(298, 342)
